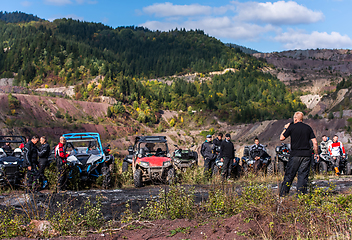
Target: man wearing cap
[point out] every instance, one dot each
(227, 155)
(208, 152)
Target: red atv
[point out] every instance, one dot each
(152, 161)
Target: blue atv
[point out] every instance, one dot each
(88, 158)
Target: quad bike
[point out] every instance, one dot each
(326, 164)
(236, 169)
(12, 171)
(88, 159)
(152, 161)
(248, 163)
(282, 157)
(184, 159)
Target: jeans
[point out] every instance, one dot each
(300, 165)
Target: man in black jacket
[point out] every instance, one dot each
(257, 153)
(43, 153)
(217, 142)
(207, 151)
(30, 161)
(227, 155)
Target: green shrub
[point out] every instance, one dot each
(175, 203)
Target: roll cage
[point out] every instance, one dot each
(90, 137)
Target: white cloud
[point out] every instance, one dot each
(57, 2)
(26, 3)
(277, 13)
(170, 10)
(303, 40)
(221, 27)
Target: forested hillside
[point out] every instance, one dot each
(69, 52)
(16, 17)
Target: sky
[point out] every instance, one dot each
(266, 26)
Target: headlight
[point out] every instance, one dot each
(140, 155)
(6, 162)
(144, 164)
(167, 163)
(168, 155)
(1, 166)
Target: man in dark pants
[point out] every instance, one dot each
(43, 153)
(301, 154)
(257, 152)
(61, 163)
(208, 152)
(227, 155)
(30, 161)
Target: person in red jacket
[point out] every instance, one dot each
(336, 150)
(61, 162)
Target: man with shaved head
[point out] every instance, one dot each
(301, 153)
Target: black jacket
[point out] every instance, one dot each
(257, 151)
(217, 144)
(44, 152)
(227, 150)
(31, 154)
(207, 150)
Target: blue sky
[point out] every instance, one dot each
(266, 26)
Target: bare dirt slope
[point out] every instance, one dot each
(314, 71)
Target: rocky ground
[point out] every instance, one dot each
(114, 201)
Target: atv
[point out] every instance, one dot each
(248, 163)
(282, 157)
(152, 161)
(236, 169)
(12, 171)
(88, 158)
(184, 159)
(326, 165)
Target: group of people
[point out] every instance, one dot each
(36, 159)
(334, 149)
(219, 148)
(302, 141)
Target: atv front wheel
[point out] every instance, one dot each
(137, 178)
(323, 167)
(281, 167)
(107, 176)
(216, 170)
(270, 169)
(170, 176)
(348, 169)
(124, 166)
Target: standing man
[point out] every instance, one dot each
(217, 142)
(324, 145)
(227, 155)
(43, 153)
(336, 150)
(61, 163)
(301, 153)
(30, 161)
(257, 152)
(207, 151)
